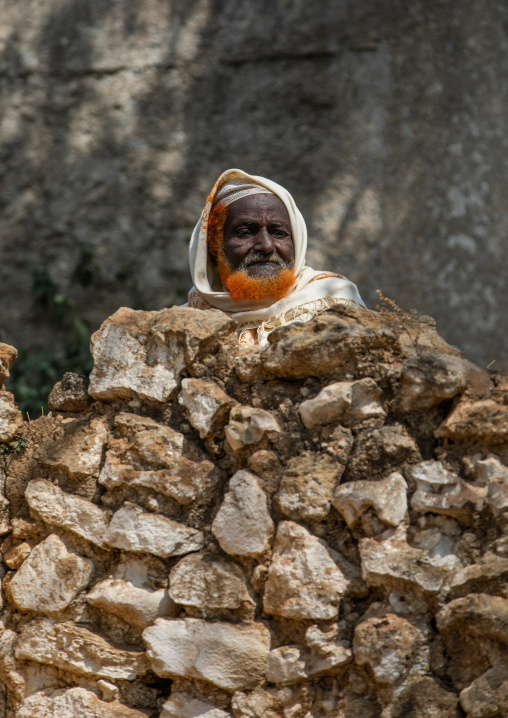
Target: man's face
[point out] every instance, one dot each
(257, 236)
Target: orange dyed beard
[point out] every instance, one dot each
(242, 287)
(239, 284)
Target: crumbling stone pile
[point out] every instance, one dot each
(315, 529)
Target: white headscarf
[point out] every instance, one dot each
(312, 292)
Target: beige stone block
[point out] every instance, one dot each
(132, 529)
(286, 665)
(487, 696)
(304, 582)
(248, 426)
(394, 563)
(50, 578)
(79, 452)
(57, 508)
(344, 402)
(182, 705)
(440, 491)
(207, 581)
(73, 703)
(243, 526)
(8, 355)
(206, 404)
(141, 354)
(392, 647)
(137, 606)
(231, 657)
(74, 648)
(11, 420)
(388, 498)
(307, 487)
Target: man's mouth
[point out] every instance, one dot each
(262, 259)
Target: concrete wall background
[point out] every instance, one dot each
(385, 119)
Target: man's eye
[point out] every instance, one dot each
(244, 233)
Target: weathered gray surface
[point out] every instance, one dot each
(386, 120)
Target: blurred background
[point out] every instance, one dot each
(386, 120)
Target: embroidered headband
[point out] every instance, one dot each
(236, 189)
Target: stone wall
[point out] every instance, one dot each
(318, 529)
(384, 118)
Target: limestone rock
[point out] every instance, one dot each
(186, 482)
(63, 510)
(135, 605)
(243, 526)
(490, 470)
(423, 698)
(158, 458)
(441, 491)
(50, 578)
(141, 354)
(480, 614)
(331, 404)
(388, 498)
(132, 529)
(182, 705)
(15, 555)
(330, 660)
(286, 701)
(429, 379)
(286, 665)
(393, 562)
(70, 393)
(307, 487)
(481, 422)
(392, 647)
(487, 696)
(380, 451)
(206, 403)
(109, 692)
(303, 581)
(229, 656)
(497, 498)
(339, 338)
(247, 426)
(489, 577)
(76, 649)
(345, 402)
(365, 401)
(328, 655)
(79, 452)
(73, 703)
(11, 420)
(491, 474)
(121, 350)
(207, 581)
(8, 355)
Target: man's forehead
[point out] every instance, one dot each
(253, 205)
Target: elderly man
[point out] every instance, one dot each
(247, 258)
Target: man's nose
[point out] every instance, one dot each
(264, 241)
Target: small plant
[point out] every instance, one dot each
(405, 320)
(35, 373)
(13, 447)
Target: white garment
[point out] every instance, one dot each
(312, 293)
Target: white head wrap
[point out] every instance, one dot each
(307, 296)
(231, 191)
